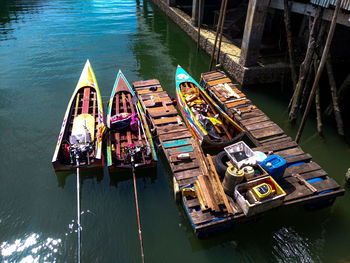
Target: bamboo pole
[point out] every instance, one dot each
(290, 42)
(221, 31)
(318, 111)
(216, 35)
(304, 68)
(320, 69)
(307, 88)
(333, 88)
(199, 23)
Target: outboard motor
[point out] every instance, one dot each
(80, 143)
(135, 154)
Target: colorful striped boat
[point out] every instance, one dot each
(84, 112)
(206, 120)
(128, 129)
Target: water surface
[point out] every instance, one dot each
(43, 48)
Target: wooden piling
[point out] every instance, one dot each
(320, 69)
(216, 35)
(288, 26)
(199, 23)
(304, 67)
(221, 31)
(333, 89)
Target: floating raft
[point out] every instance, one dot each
(268, 136)
(214, 210)
(210, 210)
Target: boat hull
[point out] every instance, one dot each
(122, 88)
(87, 83)
(193, 124)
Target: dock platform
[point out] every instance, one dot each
(267, 136)
(210, 210)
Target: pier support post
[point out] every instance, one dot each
(253, 32)
(171, 2)
(196, 12)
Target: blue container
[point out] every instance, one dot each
(275, 166)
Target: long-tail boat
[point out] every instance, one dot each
(129, 137)
(206, 120)
(82, 128)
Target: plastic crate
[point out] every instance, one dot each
(250, 209)
(240, 154)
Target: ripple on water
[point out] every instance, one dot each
(31, 248)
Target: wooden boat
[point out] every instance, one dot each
(83, 126)
(206, 120)
(129, 133)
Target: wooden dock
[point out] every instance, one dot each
(267, 136)
(209, 209)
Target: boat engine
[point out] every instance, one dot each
(80, 146)
(135, 154)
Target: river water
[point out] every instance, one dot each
(43, 48)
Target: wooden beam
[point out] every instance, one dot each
(310, 10)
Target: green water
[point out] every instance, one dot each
(43, 48)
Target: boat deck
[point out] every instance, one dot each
(211, 210)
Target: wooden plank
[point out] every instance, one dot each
(267, 132)
(172, 128)
(219, 185)
(302, 168)
(276, 147)
(206, 192)
(277, 139)
(255, 120)
(178, 150)
(165, 120)
(247, 115)
(184, 165)
(299, 158)
(314, 174)
(238, 103)
(316, 198)
(163, 95)
(86, 100)
(142, 83)
(175, 136)
(219, 81)
(143, 91)
(176, 143)
(76, 105)
(200, 196)
(174, 159)
(186, 181)
(259, 125)
(306, 183)
(187, 174)
(160, 112)
(192, 203)
(290, 152)
(198, 217)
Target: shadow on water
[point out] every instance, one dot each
(118, 176)
(98, 174)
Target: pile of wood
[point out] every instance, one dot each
(208, 188)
